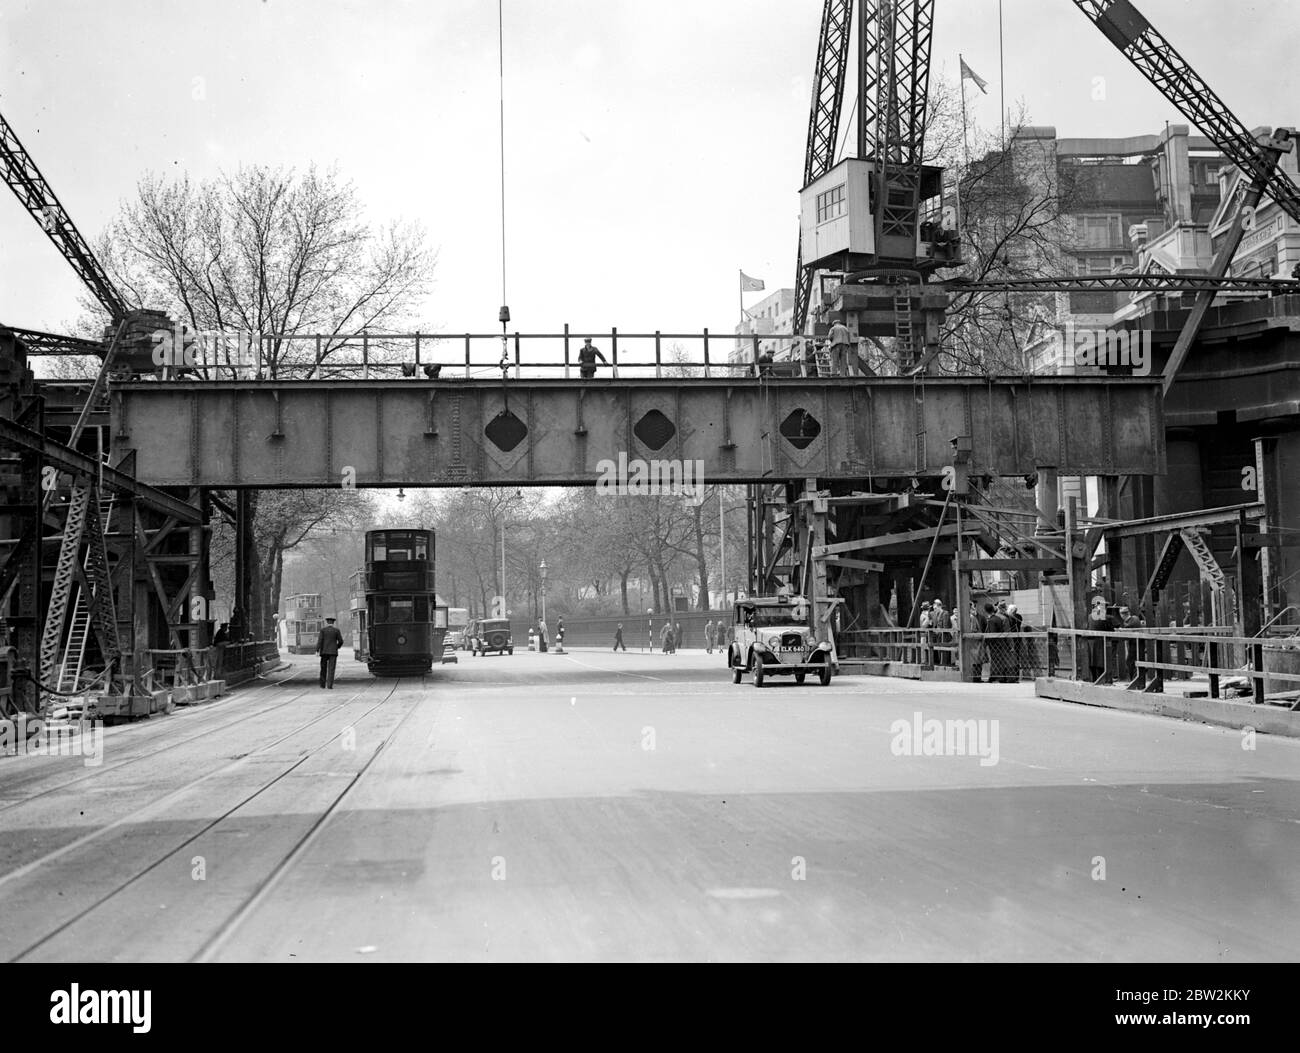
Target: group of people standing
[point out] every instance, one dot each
(1005, 658)
(542, 634)
(1117, 658)
(935, 616)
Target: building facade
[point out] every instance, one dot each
(771, 315)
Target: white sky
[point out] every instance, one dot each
(653, 147)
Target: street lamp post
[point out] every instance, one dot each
(519, 496)
(542, 569)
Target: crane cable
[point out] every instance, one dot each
(504, 314)
(501, 123)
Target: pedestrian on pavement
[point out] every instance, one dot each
(708, 636)
(1130, 621)
(940, 624)
(618, 638)
(666, 640)
(980, 618)
(999, 661)
(1017, 653)
(587, 355)
(541, 636)
(328, 642)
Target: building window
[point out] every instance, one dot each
(1100, 232)
(830, 204)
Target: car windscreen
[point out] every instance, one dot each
(767, 617)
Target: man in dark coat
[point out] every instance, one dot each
(587, 355)
(999, 664)
(328, 642)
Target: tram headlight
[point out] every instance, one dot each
(401, 640)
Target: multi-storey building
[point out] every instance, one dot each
(772, 314)
(1166, 202)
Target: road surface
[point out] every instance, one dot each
(598, 806)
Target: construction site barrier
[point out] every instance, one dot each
(1143, 660)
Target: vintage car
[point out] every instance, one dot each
(772, 638)
(490, 634)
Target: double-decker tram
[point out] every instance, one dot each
(302, 622)
(401, 633)
(357, 622)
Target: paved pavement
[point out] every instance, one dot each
(595, 806)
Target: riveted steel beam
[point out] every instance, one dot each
(322, 433)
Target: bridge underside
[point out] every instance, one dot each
(540, 432)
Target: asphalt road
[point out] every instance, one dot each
(595, 806)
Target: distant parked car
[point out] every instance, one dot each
(491, 634)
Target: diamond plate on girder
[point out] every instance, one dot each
(800, 429)
(506, 431)
(654, 429)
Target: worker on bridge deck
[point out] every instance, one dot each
(842, 351)
(587, 355)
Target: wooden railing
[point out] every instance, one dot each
(1142, 660)
(1136, 659)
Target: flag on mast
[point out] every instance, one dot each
(969, 74)
(748, 284)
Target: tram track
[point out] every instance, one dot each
(145, 811)
(213, 945)
(25, 868)
(151, 746)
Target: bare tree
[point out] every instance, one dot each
(268, 251)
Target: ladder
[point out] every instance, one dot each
(903, 327)
(74, 652)
(1205, 561)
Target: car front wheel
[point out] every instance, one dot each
(824, 675)
(758, 670)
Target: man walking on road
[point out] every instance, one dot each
(618, 638)
(328, 642)
(708, 636)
